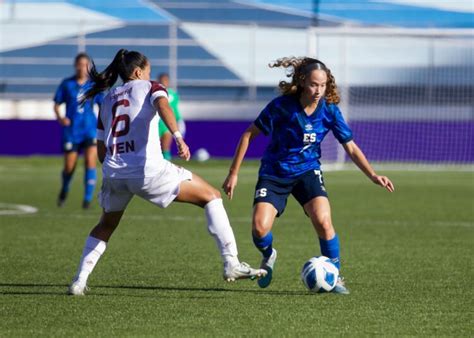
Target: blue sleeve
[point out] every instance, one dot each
(340, 129)
(60, 96)
(99, 98)
(264, 121)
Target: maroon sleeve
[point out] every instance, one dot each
(156, 86)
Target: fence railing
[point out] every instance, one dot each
(236, 55)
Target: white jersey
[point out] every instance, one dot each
(128, 126)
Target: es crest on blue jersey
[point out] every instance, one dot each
(295, 145)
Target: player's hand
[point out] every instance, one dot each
(183, 149)
(64, 121)
(229, 185)
(383, 181)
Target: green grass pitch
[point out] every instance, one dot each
(407, 258)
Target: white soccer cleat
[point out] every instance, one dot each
(341, 287)
(242, 271)
(78, 288)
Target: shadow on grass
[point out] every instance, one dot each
(139, 287)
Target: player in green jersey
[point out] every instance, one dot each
(165, 136)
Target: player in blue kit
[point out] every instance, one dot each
(79, 128)
(297, 123)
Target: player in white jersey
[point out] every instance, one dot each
(129, 149)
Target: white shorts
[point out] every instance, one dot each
(160, 190)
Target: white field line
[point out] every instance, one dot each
(247, 220)
(16, 209)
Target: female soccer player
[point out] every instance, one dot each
(166, 139)
(297, 123)
(79, 128)
(129, 150)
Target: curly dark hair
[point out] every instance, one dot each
(297, 69)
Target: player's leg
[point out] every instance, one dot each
(114, 198)
(94, 248)
(271, 195)
(166, 141)
(90, 172)
(319, 210)
(70, 161)
(198, 192)
(311, 194)
(264, 214)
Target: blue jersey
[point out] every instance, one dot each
(295, 145)
(83, 119)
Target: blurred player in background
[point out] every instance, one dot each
(166, 138)
(132, 164)
(297, 123)
(79, 128)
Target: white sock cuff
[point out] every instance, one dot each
(96, 244)
(214, 203)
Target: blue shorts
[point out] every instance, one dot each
(69, 146)
(275, 190)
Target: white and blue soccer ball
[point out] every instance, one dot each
(319, 274)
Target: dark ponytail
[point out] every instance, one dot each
(123, 65)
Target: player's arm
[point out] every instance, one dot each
(60, 98)
(64, 121)
(358, 157)
(166, 113)
(231, 181)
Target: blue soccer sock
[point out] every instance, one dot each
(66, 181)
(264, 244)
(90, 178)
(330, 249)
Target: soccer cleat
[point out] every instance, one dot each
(78, 288)
(267, 265)
(340, 287)
(86, 205)
(241, 271)
(61, 198)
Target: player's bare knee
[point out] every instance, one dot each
(212, 194)
(260, 228)
(325, 227)
(69, 168)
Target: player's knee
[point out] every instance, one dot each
(69, 168)
(109, 222)
(260, 228)
(212, 194)
(209, 195)
(325, 226)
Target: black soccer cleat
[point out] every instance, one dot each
(61, 199)
(86, 205)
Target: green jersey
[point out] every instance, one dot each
(173, 99)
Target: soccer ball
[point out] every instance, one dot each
(201, 155)
(319, 274)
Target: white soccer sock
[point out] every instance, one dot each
(219, 227)
(93, 249)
